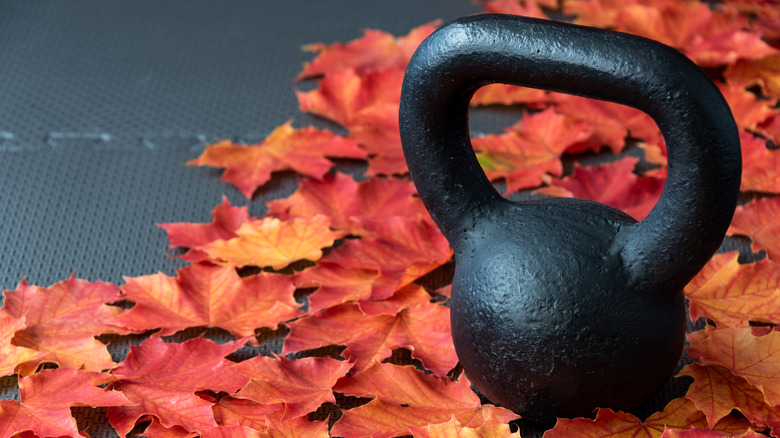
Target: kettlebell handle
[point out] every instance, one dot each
(690, 219)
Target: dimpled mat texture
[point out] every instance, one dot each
(102, 103)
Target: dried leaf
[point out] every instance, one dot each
(726, 47)
(530, 149)
(763, 72)
(754, 358)
(227, 220)
(757, 220)
(760, 165)
(749, 111)
(62, 322)
(302, 150)
(46, 398)
(716, 392)
(614, 184)
(273, 242)
(343, 94)
(423, 328)
(491, 428)
(343, 200)
(732, 294)
(207, 295)
(301, 385)
(162, 380)
(11, 355)
(405, 398)
(400, 249)
(376, 50)
(336, 284)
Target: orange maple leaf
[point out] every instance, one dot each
(46, 398)
(227, 220)
(760, 165)
(273, 242)
(302, 150)
(749, 111)
(400, 249)
(343, 200)
(757, 220)
(406, 398)
(763, 72)
(233, 412)
(335, 284)
(161, 379)
(754, 358)
(207, 295)
(62, 322)
(614, 184)
(610, 123)
(11, 355)
(492, 427)
(424, 328)
(529, 149)
(716, 392)
(505, 94)
(673, 23)
(300, 385)
(678, 414)
(376, 50)
(343, 94)
(732, 294)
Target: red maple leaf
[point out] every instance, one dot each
(62, 322)
(614, 184)
(46, 398)
(376, 50)
(530, 149)
(207, 295)
(757, 220)
(302, 150)
(227, 220)
(162, 380)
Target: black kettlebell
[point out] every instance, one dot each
(560, 306)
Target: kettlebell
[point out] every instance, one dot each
(563, 305)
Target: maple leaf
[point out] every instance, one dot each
(301, 385)
(227, 220)
(267, 419)
(679, 413)
(609, 122)
(376, 50)
(754, 358)
(763, 72)
(400, 249)
(302, 150)
(597, 13)
(424, 328)
(748, 110)
(726, 47)
(757, 220)
(343, 200)
(207, 295)
(335, 284)
(376, 130)
(491, 428)
(343, 94)
(11, 355)
(406, 398)
(62, 322)
(673, 23)
(525, 8)
(716, 392)
(614, 184)
(732, 294)
(273, 242)
(760, 165)
(529, 149)
(505, 94)
(46, 398)
(162, 379)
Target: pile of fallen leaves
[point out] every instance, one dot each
(336, 267)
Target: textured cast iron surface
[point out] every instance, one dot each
(560, 306)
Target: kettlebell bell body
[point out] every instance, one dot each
(560, 306)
